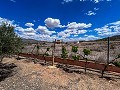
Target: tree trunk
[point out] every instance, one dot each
(85, 65)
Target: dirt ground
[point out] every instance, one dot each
(30, 76)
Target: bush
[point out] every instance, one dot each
(86, 52)
(48, 49)
(74, 49)
(46, 54)
(76, 57)
(64, 52)
(117, 64)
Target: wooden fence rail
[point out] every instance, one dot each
(90, 64)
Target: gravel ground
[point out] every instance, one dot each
(30, 76)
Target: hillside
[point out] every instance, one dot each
(32, 41)
(113, 38)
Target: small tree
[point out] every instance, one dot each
(86, 53)
(74, 50)
(10, 43)
(64, 52)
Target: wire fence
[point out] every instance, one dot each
(99, 49)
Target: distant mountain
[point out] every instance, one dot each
(32, 41)
(113, 38)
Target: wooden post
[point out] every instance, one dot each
(53, 53)
(108, 54)
(108, 50)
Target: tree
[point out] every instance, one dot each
(64, 52)
(86, 53)
(10, 43)
(74, 50)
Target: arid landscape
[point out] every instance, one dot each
(26, 73)
(98, 49)
(59, 44)
(30, 76)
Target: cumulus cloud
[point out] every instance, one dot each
(109, 29)
(44, 30)
(75, 25)
(11, 22)
(29, 24)
(52, 23)
(74, 28)
(63, 34)
(43, 33)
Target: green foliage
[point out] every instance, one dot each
(118, 56)
(10, 43)
(117, 64)
(46, 54)
(64, 52)
(74, 49)
(76, 57)
(38, 47)
(48, 49)
(86, 52)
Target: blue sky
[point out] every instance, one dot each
(69, 20)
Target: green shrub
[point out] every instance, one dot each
(117, 64)
(76, 57)
(38, 47)
(48, 49)
(74, 49)
(46, 54)
(64, 52)
(86, 52)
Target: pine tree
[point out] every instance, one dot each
(10, 43)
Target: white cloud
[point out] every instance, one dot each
(63, 34)
(109, 29)
(74, 28)
(11, 22)
(52, 23)
(75, 25)
(29, 24)
(75, 35)
(29, 30)
(89, 13)
(94, 1)
(44, 30)
(96, 9)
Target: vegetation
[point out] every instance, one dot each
(117, 64)
(64, 52)
(38, 47)
(86, 53)
(74, 50)
(76, 57)
(10, 43)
